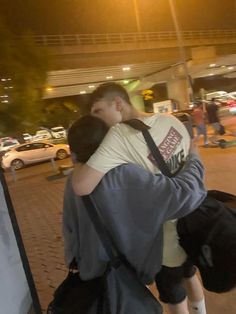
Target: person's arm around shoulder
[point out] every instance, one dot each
(85, 179)
(176, 196)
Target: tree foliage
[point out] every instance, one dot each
(23, 74)
(63, 111)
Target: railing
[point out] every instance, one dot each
(119, 38)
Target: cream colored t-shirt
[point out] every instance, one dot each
(123, 144)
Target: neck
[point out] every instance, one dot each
(129, 112)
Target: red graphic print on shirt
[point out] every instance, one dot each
(168, 147)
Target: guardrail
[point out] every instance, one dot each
(119, 38)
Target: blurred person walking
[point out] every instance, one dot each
(199, 121)
(214, 120)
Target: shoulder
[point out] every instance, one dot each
(115, 132)
(125, 175)
(158, 118)
(118, 129)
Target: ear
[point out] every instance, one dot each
(118, 103)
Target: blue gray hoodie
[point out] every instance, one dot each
(134, 203)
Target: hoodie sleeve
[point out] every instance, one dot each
(157, 198)
(179, 195)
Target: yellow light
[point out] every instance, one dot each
(126, 68)
(49, 89)
(126, 82)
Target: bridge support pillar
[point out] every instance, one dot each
(178, 90)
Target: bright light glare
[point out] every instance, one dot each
(82, 92)
(91, 86)
(126, 68)
(126, 81)
(49, 89)
(109, 77)
(230, 68)
(212, 65)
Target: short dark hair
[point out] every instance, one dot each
(85, 135)
(109, 91)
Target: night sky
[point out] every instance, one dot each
(108, 16)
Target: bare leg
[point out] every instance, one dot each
(194, 288)
(180, 308)
(195, 295)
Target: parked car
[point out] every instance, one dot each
(58, 132)
(27, 137)
(7, 144)
(3, 139)
(42, 135)
(217, 94)
(33, 152)
(231, 102)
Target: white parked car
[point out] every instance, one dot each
(27, 137)
(58, 132)
(42, 135)
(34, 152)
(7, 144)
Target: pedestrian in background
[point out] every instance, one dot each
(200, 123)
(213, 118)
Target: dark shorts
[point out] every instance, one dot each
(169, 282)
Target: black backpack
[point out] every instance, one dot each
(208, 235)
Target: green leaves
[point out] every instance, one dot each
(23, 74)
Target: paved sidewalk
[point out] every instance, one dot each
(38, 206)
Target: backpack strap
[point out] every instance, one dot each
(140, 126)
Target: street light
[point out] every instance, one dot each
(137, 19)
(181, 48)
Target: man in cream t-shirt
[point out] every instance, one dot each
(123, 144)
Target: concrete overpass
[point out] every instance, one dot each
(82, 61)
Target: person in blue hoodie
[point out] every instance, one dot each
(134, 204)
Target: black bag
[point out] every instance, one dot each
(208, 234)
(118, 291)
(73, 294)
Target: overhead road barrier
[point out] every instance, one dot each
(119, 38)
